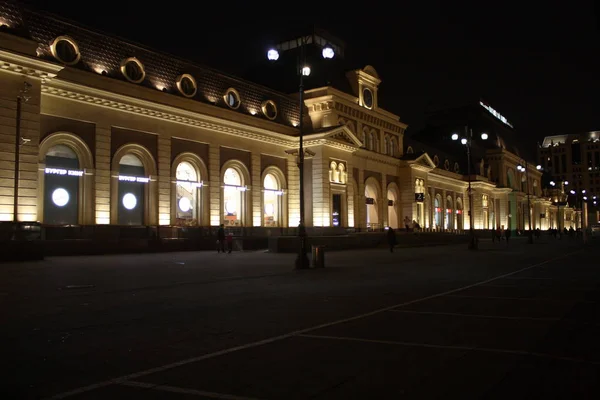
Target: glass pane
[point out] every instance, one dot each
(231, 177)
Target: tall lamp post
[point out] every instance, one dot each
(466, 140)
(562, 191)
(19, 141)
(525, 169)
(303, 70)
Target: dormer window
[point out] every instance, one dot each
(367, 94)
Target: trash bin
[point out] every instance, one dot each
(318, 256)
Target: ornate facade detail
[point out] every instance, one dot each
(337, 172)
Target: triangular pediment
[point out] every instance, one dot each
(425, 161)
(341, 134)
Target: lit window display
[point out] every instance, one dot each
(131, 190)
(272, 201)
(233, 190)
(371, 200)
(437, 213)
(188, 185)
(61, 186)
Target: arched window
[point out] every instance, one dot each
(61, 186)
(386, 145)
(371, 141)
(364, 139)
(272, 204)
(342, 173)
(375, 141)
(436, 160)
(233, 190)
(437, 212)
(131, 193)
(409, 150)
(187, 204)
(393, 147)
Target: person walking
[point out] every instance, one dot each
(507, 235)
(229, 242)
(391, 237)
(221, 239)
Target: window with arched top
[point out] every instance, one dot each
(371, 139)
(436, 160)
(187, 194)
(409, 150)
(375, 141)
(61, 197)
(233, 197)
(337, 172)
(447, 165)
(393, 145)
(386, 145)
(271, 201)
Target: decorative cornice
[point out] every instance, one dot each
(22, 65)
(101, 98)
(380, 158)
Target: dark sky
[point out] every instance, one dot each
(536, 63)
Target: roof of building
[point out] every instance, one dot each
(103, 52)
(592, 136)
(419, 148)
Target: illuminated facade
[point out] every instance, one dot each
(121, 135)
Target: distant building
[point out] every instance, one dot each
(573, 161)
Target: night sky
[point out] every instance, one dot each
(538, 66)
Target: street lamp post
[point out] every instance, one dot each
(467, 142)
(303, 70)
(22, 97)
(526, 170)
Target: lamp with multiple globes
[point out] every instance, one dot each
(525, 169)
(467, 142)
(303, 71)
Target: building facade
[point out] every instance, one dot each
(572, 162)
(110, 133)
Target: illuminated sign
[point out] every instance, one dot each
(495, 113)
(193, 184)
(61, 171)
(137, 179)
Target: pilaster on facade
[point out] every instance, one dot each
(444, 206)
(407, 206)
(256, 190)
(361, 198)
(385, 207)
(321, 197)
(214, 172)
(164, 180)
(102, 174)
(293, 195)
(350, 198)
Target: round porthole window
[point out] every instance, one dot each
(186, 84)
(367, 97)
(133, 70)
(269, 109)
(129, 201)
(60, 197)
(184, 204)
(232, 98)
(65, 50)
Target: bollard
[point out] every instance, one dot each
(318, 256)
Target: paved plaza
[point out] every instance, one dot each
(434, 322)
